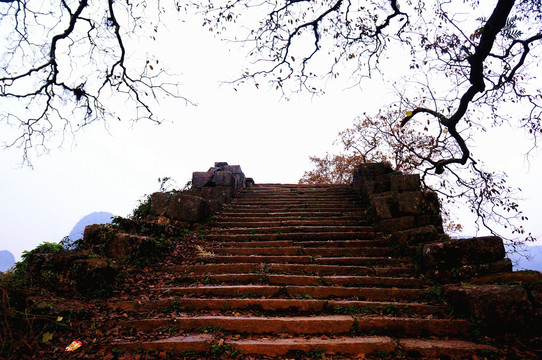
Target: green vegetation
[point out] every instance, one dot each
(46, 250)
(218, 350)
(149, 250)
(434, 294)
(316, 353)
(143, 209)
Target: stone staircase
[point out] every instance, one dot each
(291, 271)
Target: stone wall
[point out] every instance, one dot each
(472, 270)
(409, 216)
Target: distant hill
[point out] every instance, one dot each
(99, 217)
(529, 258)
(7, 260)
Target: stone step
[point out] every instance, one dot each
(303, 269)
(338, 235)
(360, 346)
(273, 200)
(367, 244)
(297, 229)
(301, 250)
(310, 306)
(297, 200)
(304, 280)
(313, 347)
(293, 208)
(257, 223)
(301, 292)
(292, 215)
(298, 259)
(306, 325)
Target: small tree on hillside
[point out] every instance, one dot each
(382, 139)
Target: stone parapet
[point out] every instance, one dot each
(210, 191)
(397, 201)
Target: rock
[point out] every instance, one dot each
(202, 179)
(121, 245)
(421, 235)
(458, 252)
(401, 183)
(189, 208)
(160, 203)
(381, 205)
(516, 277)
(417, 203)
(497, 309)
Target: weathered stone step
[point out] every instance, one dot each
(189, 344)
(298, 189)
(304, 280)
(307, 292)
(307, 244)
(299, 259)
(360, 346)
(300, 250)
(311, 269)
(298, 200)
(311, 306)
(307, 325)
(338, 235)
(293, 208)
(287, 347)
(297, 229)
(257, 223)
(292, 215)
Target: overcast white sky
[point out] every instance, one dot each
(109, 170)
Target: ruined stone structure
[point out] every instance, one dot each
(285, 271)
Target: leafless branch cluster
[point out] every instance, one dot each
(67, 64)
(483, 63)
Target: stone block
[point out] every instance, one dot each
(411, 237)
(121, 245)
(381, 205)
(458, 252)
(417, 203)
(467, 272)
(401, 183)
(189, 208)
(159, 203)
(235, 169)
(391, 225)
(224, 178)
(96, 235)
(498, 309)
(201, 179)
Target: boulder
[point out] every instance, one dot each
(94, 275)
(402, 183)
(458, 252)
(159, 203)
(189, 208)
(411, 237)
(121, 245)
(497, 309)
